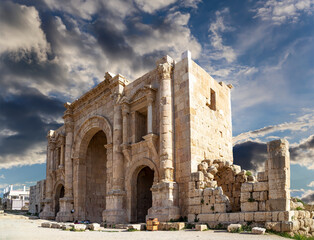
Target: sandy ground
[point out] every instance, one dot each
(21, 227)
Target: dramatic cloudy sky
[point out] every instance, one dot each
(52, 51)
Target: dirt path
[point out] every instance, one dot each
(20, 227)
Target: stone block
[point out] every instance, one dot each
(259, 216)
(256, 196)
(179, 225)
(234, 217)
(249, 207)
(79, 227)
(201, 227)
(222, 217)
(268, 216)
(234, 227)
(249, 216)
(262, 206)
(287, 226)
(195, 209)
(94, 226)
(208, 191)
(245, 196)
(207, 208)
(66, 227)
(262, 177)
(46, 225)
(247, 187)
(275, 226)
(285, 216)
(220, 207)
(191, 217)
(263, 196)
(241, 216)
(197, 176)
(258, 230)
(260, 186)
(275, 216)
(209, 217)
(55, 225)
(218, 191)
(221, 199)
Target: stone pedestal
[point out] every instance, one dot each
(47, 213)
(115, 210)
(65, 215)
(165, 201)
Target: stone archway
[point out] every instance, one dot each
(91, 176)
(131, 184)
(96, 170)
(59, 193)
(145, 179)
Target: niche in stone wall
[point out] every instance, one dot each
(140, 124)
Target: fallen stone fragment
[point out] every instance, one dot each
(94, 226)
(234, 227)
(55, 225)
(79, 227)
(258, 230)
(46, 225)
(135, 226)
(201, 227)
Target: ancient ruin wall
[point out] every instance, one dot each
(210, 117)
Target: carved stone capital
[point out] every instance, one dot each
(116, 96)
(165, 70)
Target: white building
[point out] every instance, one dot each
(15, 199)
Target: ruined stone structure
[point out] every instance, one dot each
(159, 146)
(36, 197)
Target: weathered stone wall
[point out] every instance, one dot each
(36, 197)
(210, 120)
(182, 131)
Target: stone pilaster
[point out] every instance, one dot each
(47, 212)
(166, 192)
(125, 145)
(66, 203)
(278, 164)
(116, 197)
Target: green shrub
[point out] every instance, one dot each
(251, 200)
(248, 173)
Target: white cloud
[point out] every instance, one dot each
(311, 184)
(2, 176)
(283, 11)
(216, 29)
(302, 123)
(174, 40)
(152, 6)
(34, 155)
(20, 31)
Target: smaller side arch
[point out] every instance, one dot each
(131, 179)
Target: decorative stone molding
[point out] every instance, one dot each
(126, 150)
(151, 141)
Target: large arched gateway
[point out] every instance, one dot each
(95, 201)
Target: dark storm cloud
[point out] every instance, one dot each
(26, 114)
(250, 155)
(308, 198)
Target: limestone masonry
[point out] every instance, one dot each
(161, 146)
